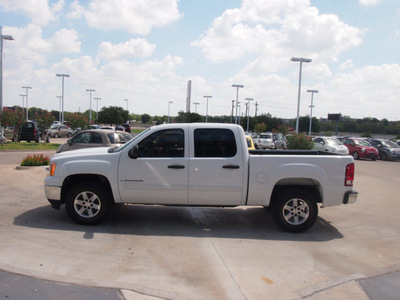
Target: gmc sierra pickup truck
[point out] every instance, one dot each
(199, 164)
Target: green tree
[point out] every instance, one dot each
(11, 117)
(113, 115)
(76, 120)
(299, 141)
(43, 119)
(145, 118)
(259, 128)
(188, 117)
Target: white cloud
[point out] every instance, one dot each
(132, 48)
(277, 28)
(37, 10)
(137, 17)
(370, 2)
(76, 10)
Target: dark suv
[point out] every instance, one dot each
(29, 131)
(388, 150)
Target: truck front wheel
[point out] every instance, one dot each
(295, 210)
(87, 203)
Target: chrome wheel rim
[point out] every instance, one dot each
(296, 211)
(87, 204)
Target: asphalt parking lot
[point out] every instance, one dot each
(154, 252)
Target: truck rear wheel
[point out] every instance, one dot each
(295, 210)
(87, 203)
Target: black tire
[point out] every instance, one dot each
(355, 155)
(87, 203)
(55, 135)
(295, 210)
(69, 134)
(384, 156)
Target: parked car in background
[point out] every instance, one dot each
(57, 131)
(264, 141)
(95, 138)
(127, 127)
(120, 128)
(330, 144)
(250, 144)
(107, 127)
(388, 150)
(360, 148)
(280, 141)
(29, 131)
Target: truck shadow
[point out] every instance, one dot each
(202, 222)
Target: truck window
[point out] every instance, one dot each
(214, 143)
(163, 143)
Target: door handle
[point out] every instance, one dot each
(176, 167)
(231, 167)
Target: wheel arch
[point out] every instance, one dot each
(70, 181)
(305, 184)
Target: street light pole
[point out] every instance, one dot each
(97, 109)
(23, 101)
(59, 109)
(195, 106)
(27, 106)
(301, 60)
(311, 106)
(237, 86)
(208, 97)
(169, 103)
(248, 112)
(90, 105)
(62, 106)
(10, 38)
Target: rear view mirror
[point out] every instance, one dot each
(134, 152)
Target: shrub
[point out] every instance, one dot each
(36, 160)
(299, 141)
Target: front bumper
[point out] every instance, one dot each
(350, 197)
(52, 192)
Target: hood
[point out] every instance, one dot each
(82, 152)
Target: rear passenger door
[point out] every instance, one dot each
(216, 170)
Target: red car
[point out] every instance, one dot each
(360, 148)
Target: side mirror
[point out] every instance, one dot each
(134, 152)
(69, 142)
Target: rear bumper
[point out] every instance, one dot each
(350, 197)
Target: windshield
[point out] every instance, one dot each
(390, 144)
(265, 136)
(54, 126)
(333, 141)
(362, 143)
(130, 142)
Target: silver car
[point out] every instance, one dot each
(95, 138)
(56, 131)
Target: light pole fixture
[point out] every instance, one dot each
(248, 112)
(311, 106)
(240, 108)
(207, 97)
(195, 106)
(59, 109)
(237, 86)
(62, 91)
(169, 103)
(97, 108)
(127, 105)
(10, 38)
(90, 105)
(23, 101)
(27, 106)
(301, 60)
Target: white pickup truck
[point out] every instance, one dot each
(199, 164)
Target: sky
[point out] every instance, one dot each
(146, 51)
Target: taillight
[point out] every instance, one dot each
(349, 175)
(34, 131)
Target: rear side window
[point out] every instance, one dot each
(214, 143)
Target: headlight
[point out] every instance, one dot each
(362, 149)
